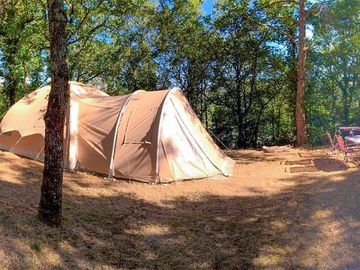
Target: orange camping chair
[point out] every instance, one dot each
(347, 151)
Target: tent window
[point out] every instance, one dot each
(138, 128)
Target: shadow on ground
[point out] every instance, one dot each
(251, 156)
(280, 231)
(330, 165)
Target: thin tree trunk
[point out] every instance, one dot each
(11, 89)
(293, 73)
(240, 141)
(50, 206)
(300, 92)
(11, 79)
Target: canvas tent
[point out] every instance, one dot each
(148, 136)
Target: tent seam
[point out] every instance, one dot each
(117, 125)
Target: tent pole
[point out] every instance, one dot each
(117, 125)
(72, 148)
(67, 134)
(39, 153)
(15, 143)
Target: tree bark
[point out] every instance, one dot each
(10, 50)
(300, 91)
(50, 206)
(11, 46)
(10, 88)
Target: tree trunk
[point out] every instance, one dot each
(240, 141)
(293, 59)
(300, 91)
(10, 86)
(11, 79)
(50, 206)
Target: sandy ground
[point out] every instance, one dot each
(264, 217)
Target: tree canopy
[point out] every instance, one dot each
(237, 63)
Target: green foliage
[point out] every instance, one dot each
(35, 246)
(237, 66)
(22, 41)
(334, 70)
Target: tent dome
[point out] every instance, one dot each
(148, 136)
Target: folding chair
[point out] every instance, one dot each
(333, 146)
(343, 148)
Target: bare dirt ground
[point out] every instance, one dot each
(264, 217)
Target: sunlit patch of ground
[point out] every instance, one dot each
(262, 217)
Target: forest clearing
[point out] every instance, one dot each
(180, 134)
(262, 217)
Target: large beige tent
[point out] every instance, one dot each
(148, 136)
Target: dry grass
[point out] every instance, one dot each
(262, 218)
